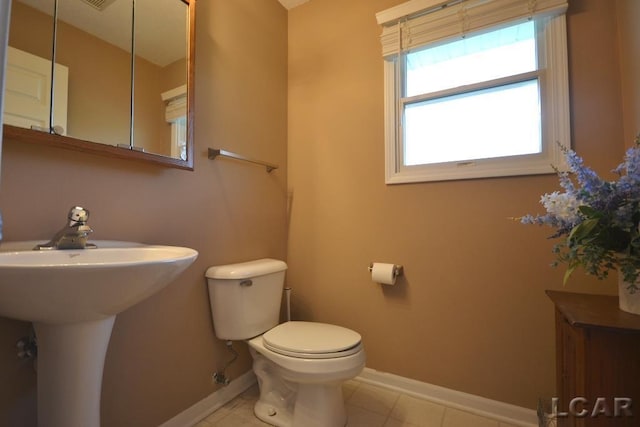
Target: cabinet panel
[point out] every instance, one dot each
(597, 361)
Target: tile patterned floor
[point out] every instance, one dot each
(367, 406)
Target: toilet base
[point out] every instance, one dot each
(319, 405)
(284, 403)
(314, 405)
(272, 415)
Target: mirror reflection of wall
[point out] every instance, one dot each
(93, 45)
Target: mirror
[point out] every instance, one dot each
(105, 100)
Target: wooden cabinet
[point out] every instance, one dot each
(597, 361)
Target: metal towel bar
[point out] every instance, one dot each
(213, 153)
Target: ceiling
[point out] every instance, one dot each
(290, 4)
(160, 38)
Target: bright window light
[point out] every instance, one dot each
(501, 53)
(496, 122)
(454, 123)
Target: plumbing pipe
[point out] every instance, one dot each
(287, 294)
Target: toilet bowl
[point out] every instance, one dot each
(300, 366)
(289, 362)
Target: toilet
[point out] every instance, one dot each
(300, 366)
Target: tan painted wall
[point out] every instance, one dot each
(34, 31)
(470, 313)
(163, 351)
(629, 33)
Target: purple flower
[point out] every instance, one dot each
(598, 219)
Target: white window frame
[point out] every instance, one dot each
(554, 92)
(176, 115)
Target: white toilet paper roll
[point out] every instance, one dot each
(383, 273)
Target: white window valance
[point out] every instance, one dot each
(175, 103)
(420, 22)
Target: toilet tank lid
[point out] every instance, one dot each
(245, 270)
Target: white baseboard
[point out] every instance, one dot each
(500, 411)
(202, 409)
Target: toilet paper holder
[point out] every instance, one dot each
(398, 270)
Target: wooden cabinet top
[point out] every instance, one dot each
(594, 311)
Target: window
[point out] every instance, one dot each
(474, 88)
(175, 114)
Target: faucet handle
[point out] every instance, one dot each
(78, 214)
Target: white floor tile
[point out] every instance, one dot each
(360, 417)
(456, 418)
(397, 423)
(367, 406)
(237, 420)
(417, 411)
(375, 399)
(216, 416)
(245, 408)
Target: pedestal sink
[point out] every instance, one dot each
(72, 297)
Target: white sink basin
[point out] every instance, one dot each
(72, 297)
(62, 286)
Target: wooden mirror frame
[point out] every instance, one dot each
(30, 136)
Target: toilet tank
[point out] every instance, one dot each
(245, 297)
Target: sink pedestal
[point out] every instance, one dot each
(72, 298)
(70, 364)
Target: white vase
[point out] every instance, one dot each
(629, 300)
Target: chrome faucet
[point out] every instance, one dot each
(73, 235)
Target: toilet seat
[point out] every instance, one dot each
(312, 340)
